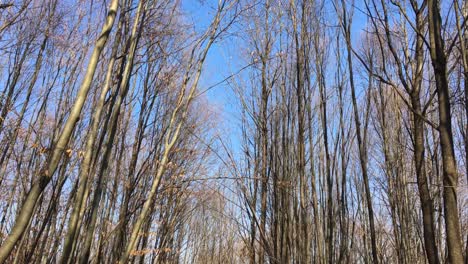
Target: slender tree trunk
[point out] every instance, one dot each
(80, 198)
(175, 126)
(47, 172)
(361, 144)
(463, 37)
(124, 87)
(315, 205)
(450, 176)
(264, 175)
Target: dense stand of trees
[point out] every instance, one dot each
(354, 145)
(351, 143)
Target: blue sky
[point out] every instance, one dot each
(224, 59)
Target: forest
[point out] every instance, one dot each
(234, 131)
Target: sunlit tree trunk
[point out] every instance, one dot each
(27, 209)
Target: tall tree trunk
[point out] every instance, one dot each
(178, 116)
(449, 167)
(80, 198)
(463, 37)
(419, 148)
(123, 91)
(361, 144)
(27, 209)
